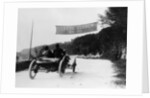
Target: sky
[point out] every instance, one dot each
(44, 21)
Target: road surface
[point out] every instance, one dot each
(90, 73)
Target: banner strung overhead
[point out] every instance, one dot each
(76, 29)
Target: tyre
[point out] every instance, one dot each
(74, 66)
(33, 69)
(73, 69)
(61, 67)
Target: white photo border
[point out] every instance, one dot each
(134, 47)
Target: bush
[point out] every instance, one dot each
(120, 69)
(20, 66)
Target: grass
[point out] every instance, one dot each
(120, 69)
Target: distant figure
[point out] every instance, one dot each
(58, 52)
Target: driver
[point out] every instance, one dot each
(58, 52)
(46, 52)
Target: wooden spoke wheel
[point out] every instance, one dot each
(33, 69)
(74, 66)
(62, 66)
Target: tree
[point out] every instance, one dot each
(115, 16)
(114, 35)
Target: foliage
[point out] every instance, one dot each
(114, 37)
(115, 16)
(120, 69)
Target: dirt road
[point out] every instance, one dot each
(90, 73)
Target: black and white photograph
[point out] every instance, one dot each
(71, 47)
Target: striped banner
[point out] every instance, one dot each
(76, 29)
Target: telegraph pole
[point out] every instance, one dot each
(31, 40)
